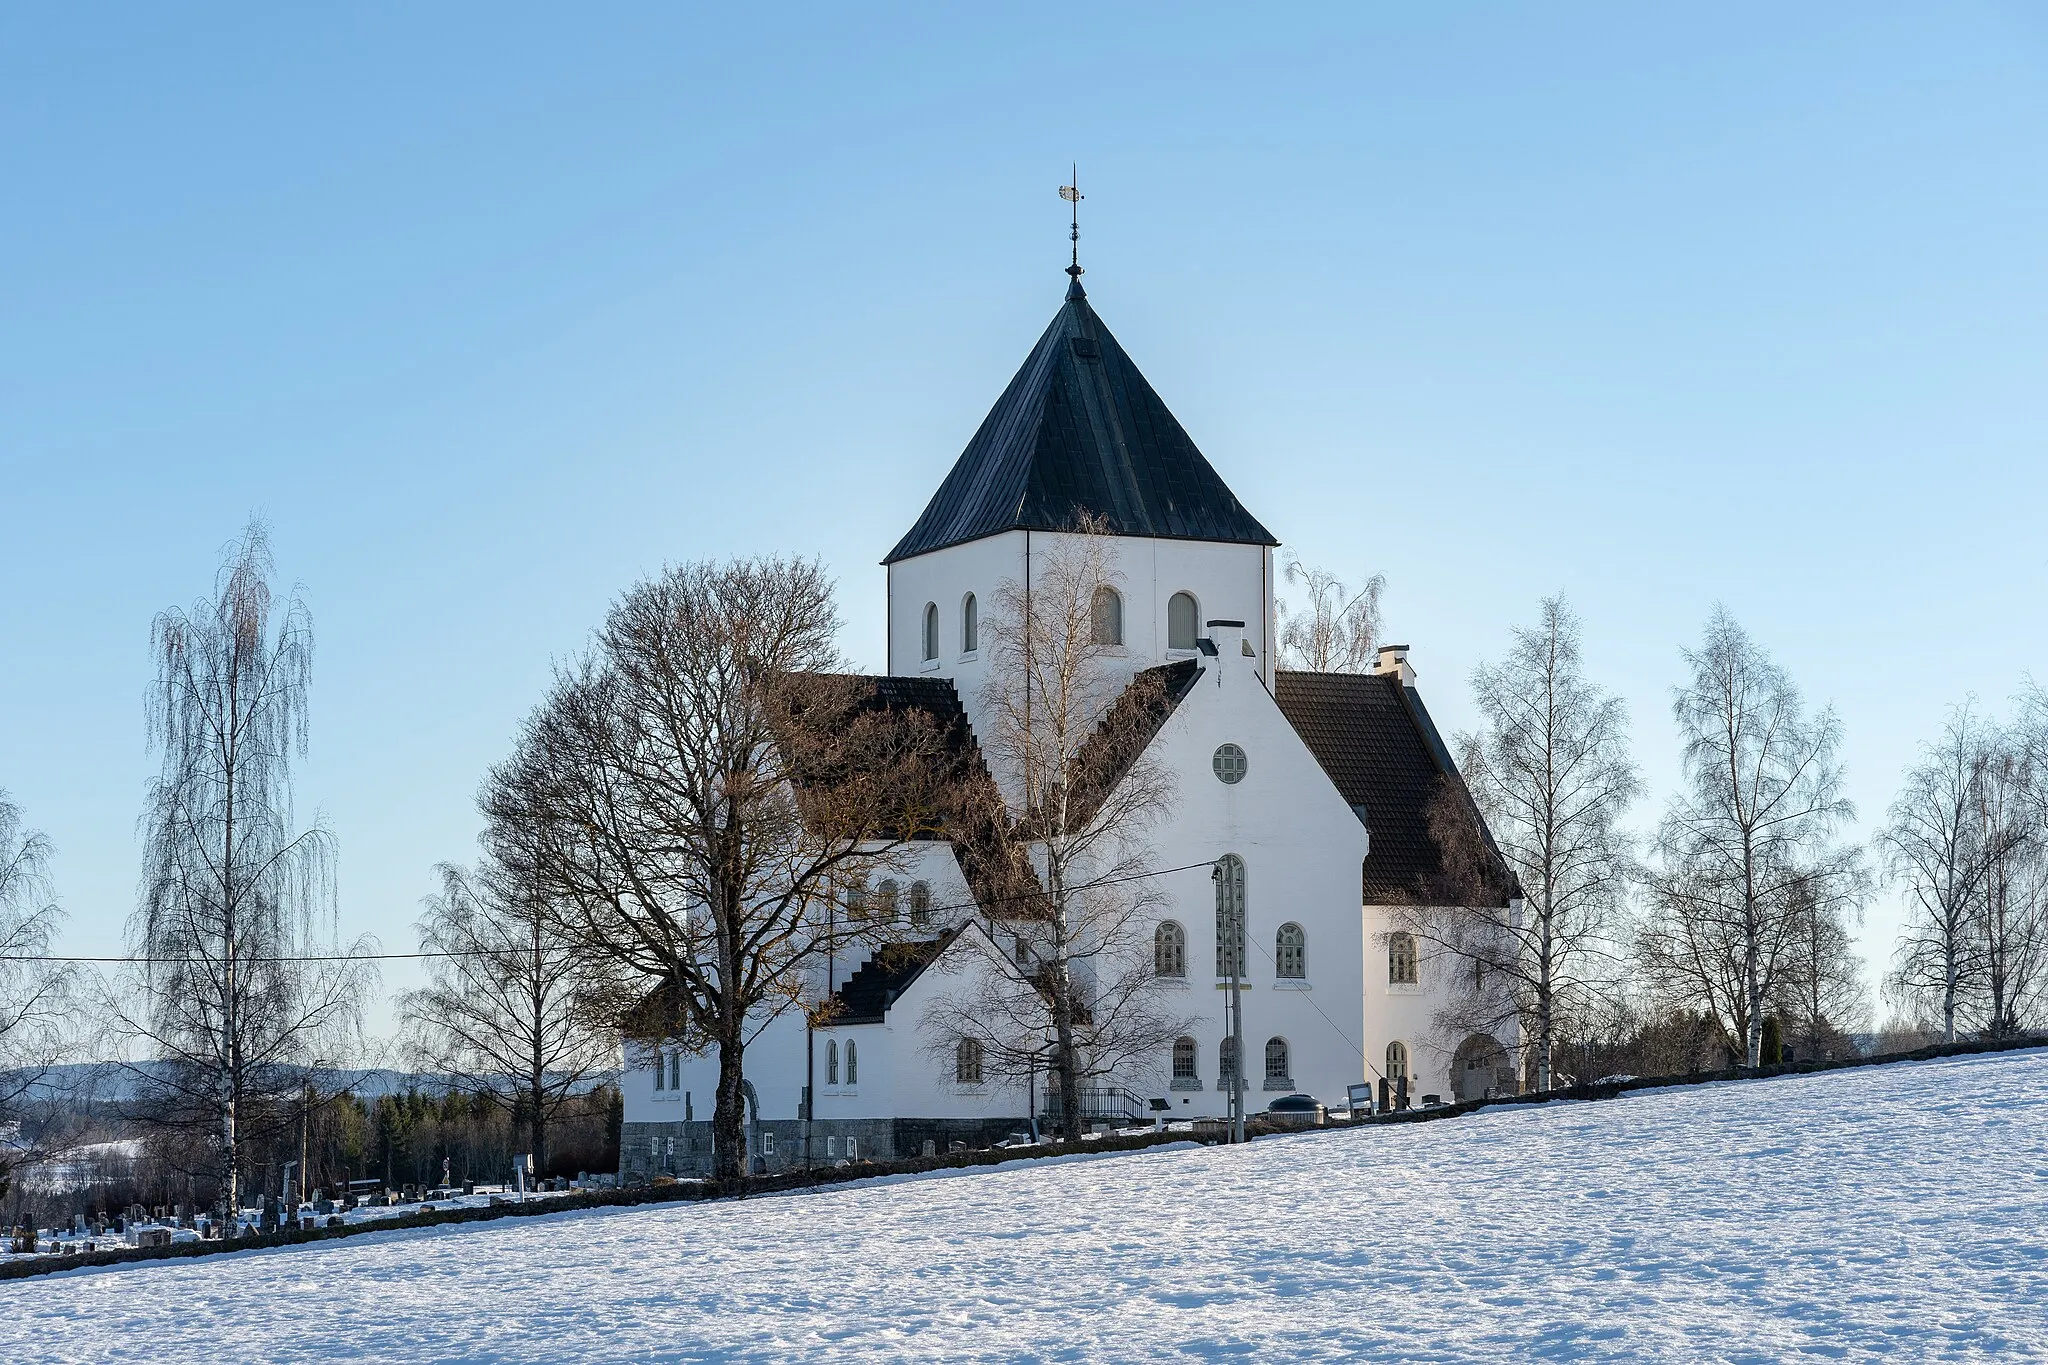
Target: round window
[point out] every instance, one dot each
(1229, 763)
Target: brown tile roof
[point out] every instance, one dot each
(1376, 741)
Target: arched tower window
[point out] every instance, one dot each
(1290, 953)
(1183, 618)
(884, 907)
(931, 631)
(970, 625)
(1170, 950)
(1277, 1062)
(1107, 614)
(1397, 1060)
(1401, 958)
(920, 904)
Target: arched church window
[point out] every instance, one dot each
(1290, 953)
(675, 1071)
(931, 631)
(970, 625)
(885, 901)
(1401, 958)
(852, 1064)
(1397, 1060)
(967, 1062)
(660, 1069)
(920, 904)
(1170, 950)
(1184, 1059)
(1183, 619)
(1226, 1061)
(1277, 1064)
(831, 1063)
(1107, 613)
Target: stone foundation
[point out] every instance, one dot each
(647, 1150)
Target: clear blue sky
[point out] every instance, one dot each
(491, 309)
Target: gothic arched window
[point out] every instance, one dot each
(970, 625)
(1290, 953)
(1183, 621)
(931, 631)
(1170, 950)
(1107, 616)
(1401, 958)
(852, 1064)
(831, 1062)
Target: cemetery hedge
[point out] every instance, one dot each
(832, 1175)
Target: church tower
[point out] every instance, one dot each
(1080, 431)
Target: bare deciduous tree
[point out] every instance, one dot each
(1550, 772)
(35, 995)
(1066, 982)
(500, 1016)
(1337, 631)
(693, 791)
(1822, 997)
(235, 900)
(1762, 801)
(2011, 935)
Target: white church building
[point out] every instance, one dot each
(1319, 783)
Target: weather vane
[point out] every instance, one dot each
(1072, 194)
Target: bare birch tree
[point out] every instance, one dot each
(2012, 937)
(1550, 772)
(694, 790)
(1822, 997)
(501, 1016)
(1337, 631)
(1756, 820)
(1065, 981)
(35, 994)
(1936, 848)
(237, 904)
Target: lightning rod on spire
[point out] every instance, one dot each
(1072, 194)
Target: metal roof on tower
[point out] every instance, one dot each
(1080, 431)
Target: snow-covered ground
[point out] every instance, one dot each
(1897, 1212)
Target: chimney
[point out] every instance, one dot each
(1226, 638)
(1394, 659)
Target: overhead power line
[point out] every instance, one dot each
(518, 951)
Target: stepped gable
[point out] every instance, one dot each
(1375, 739)
(1126, 730)
(882, 979)
(1078, 432)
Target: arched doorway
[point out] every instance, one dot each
(1480, 1068)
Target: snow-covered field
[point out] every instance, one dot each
(1897, 1212)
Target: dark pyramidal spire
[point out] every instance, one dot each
(1079, 430)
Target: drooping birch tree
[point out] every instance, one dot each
(1338, 629)
(35, 993)
(245, 981)
(1754, 822)
(1549, 770)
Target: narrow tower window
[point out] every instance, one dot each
(931, 631)
(970, 625)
